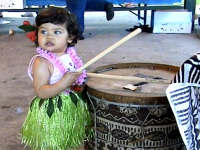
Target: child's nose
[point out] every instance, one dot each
(50, 36)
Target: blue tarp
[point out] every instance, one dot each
(63, 2)
(148, 2)
(45, 2)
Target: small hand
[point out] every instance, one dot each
(70, 78)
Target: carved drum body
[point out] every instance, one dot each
(133, 120)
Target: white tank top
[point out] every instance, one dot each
(57, 75)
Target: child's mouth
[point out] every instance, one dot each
(49, 44)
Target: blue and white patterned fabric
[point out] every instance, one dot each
(184, 98)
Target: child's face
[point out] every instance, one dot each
(53, 38)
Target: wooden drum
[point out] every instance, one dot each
(130, 120)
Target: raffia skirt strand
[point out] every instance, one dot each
(55, 124)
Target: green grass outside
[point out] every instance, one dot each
(197, 2)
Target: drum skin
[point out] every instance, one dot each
(130, 120)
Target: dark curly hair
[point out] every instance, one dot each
(57, 15)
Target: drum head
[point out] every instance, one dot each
(146, 93)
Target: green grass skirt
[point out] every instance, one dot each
(56, 123)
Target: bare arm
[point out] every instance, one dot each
(42, 69)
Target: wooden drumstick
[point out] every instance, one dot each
(137, 79)
(114, 46)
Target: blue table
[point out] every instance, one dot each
(63, 3)
(152, 5)
(148, 2)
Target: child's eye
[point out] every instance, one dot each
(43, 32)
(57, 32)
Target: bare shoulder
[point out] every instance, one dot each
(40, 60)
(42, 64)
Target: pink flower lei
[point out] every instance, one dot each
(56, 61)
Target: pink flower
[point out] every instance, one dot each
(55, 60)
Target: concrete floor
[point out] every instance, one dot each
(16, 51)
